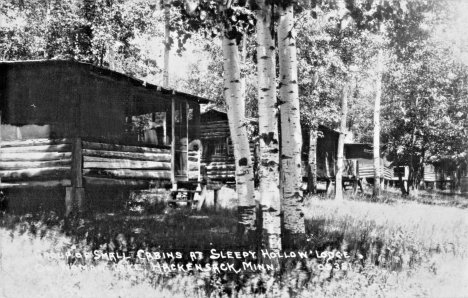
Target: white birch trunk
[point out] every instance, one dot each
(243, 56)
(268, 131)
(243, 161)
(378, 94)
(291, 135)
(340, 157)
(312, 175)
(167, 7)
(167, 16)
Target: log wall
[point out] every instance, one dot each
(430, 174)
(35, 163)
(436, 174)
(352, 168)
(48, 163)
(366, 170)
(194, 166)
(220, 167)
(118, 164)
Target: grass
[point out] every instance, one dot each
(397, 248)
(422, 246)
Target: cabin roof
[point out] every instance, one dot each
(223, 114)
(324, 128)
(114, 75)
(359, 145)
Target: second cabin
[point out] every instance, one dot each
(217, 162)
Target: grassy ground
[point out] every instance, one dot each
(396, 248)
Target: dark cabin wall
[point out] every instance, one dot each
(362, 152)
(71, 100)
(327, 144)
(38, 95)
(102, 112)
(326, 152)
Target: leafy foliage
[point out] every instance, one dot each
(85, 31)
(425, 98)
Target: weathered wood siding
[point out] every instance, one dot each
(217, 162)
(363, 155)
(433, 173)
(47, 163)
(125, 162)
(35, 163)
(194, 165)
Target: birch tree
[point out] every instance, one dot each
(341, 138)
(376, 139)
(268, 130)
(312, 170)
(342, 13)
(167, 36)
(228, 18)
(235, 108)
(291, 135)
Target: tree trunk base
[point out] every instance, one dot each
(293, 241)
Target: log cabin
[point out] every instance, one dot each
(363, 154)
(74, 130)
(217, 161)
(326, 154)
(443, 173)
(358, 163)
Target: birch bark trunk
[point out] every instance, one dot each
(167, 16)
(291, 135)
(243, 161)
(268, 131)
(243, 57)
(340, 157)
(312, 175)
(378, 95)
(167, 32)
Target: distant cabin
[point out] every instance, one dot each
(71, 129)
(358, 158)
(364, 155)
(440, 174)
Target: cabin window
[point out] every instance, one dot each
(150, 128)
